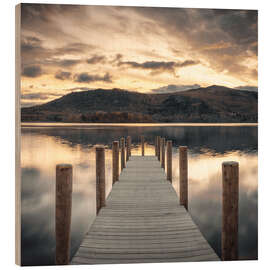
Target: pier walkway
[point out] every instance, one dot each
(143, 221)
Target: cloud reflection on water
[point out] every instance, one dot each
(43, 148)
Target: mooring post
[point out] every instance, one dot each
(230, 195)
(123, 161)
(169, 161)
(63, 203)
(163, 153)
(115, 161)
(130, 145)
(183, 173)
(158, 147)
(128, 150)
(100, 178)
(142, 143)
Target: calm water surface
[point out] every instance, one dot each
(44, 147)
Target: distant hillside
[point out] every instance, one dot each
(210, 104)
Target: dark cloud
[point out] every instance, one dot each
(67, 62)
(35, 53)
(40, 18)
(40, 95)
(29, 43)
(73, 48)
(187, 63)
(223, 39)
(34, 96)
(171, 88)
(62, 75)
(86, 77)
(95, 59)
(204, 30)
(118, 57)
(247, 88)
(32, 71)
(158, 66)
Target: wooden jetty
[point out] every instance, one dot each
(143, 220)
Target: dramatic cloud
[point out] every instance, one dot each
(247, 88)
(32, 71)
(67, 62)
(63, 75)
(206, 30)
(117, 58)
(73, 48)
(142, 48)
(171, 88)
(30, 43)
(86, 77)
(34, 52)
(158, 66)
(96, 59)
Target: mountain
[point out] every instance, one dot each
(211, 104)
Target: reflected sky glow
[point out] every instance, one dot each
(43, 148)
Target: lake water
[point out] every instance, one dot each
(42, 147)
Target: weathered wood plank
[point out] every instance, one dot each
(143, 222)
(194, 258)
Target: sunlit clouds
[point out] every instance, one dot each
(71, 48)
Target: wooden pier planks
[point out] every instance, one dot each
(143, 222)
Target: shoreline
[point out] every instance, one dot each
(57, 124)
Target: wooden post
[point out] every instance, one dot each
(158, 147)
(123, 161)
(163, 153)
(142, 143)
(100, 178)
(169, 161)
(115, 161)
(128, 150)
(130, 142)
(230, 195)
(63, 201)
(183, 173)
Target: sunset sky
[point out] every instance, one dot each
(152, 50)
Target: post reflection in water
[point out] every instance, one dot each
(44, 147)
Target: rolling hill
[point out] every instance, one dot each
(210, 104)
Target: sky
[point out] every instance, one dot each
(67, 48)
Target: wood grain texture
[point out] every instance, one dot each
(63, 204)
(183, 176)
(156, 143)
(100, 178)
(123, 160)
(158, 147)
(115, 161)
(169, 161)
(230, 197)
(163, 153)
(128, 149)
(143, 222)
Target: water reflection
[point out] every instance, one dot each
(44, 147)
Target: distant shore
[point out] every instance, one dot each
(57, 124)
